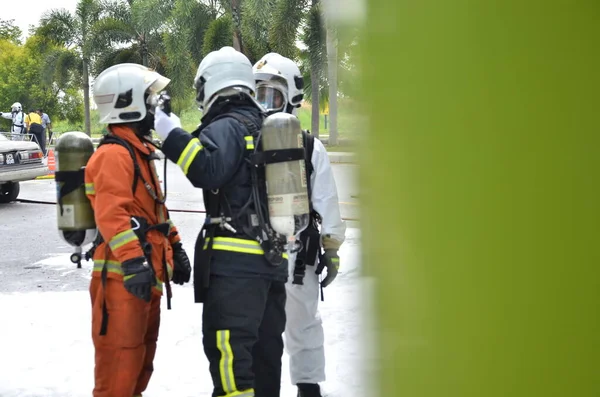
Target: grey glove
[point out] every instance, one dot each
(332, 262)
(138, 278)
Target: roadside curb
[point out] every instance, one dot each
(342, 157)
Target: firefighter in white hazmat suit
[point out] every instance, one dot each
(279, 88)
(18, 120)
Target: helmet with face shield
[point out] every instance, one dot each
(271, 92)
(127, 92)
(279, 83)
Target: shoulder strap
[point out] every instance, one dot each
(308, 140)
(108, 139)
(252, 128)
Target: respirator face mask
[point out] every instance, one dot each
(271, 93)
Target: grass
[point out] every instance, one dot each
(350, 122)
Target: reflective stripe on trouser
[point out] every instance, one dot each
(115, 268)
(226, 367)
(124, 356)
(242, 323)
(237, 245)
(304, 336)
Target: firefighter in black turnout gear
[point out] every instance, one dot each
(240, 269)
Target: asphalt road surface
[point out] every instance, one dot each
(32, 255)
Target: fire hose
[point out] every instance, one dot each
(26, 201)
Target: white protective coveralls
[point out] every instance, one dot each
(18, 123)
(304, 338)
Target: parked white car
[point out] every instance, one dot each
(19, 161)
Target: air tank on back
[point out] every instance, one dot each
(286, 181)
(75, 216)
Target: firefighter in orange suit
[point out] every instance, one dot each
(138, 249)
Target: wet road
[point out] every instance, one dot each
(34, 257)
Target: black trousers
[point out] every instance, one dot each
(243, 321)
(40, 135)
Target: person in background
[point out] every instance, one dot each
(33, 121)
(47, 124)
(18, 121)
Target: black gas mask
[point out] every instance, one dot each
(152, 100)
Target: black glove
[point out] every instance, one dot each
(138, 278)
(182, 269)
(332, 262)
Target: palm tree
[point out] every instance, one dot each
(314, 39)
(236, 15)
(72, 31)
(130, 31)
(332, 69)
(184, 46)
(257, 17)
(287, 17)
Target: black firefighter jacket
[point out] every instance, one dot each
(213, 157)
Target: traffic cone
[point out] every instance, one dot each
(51, 165)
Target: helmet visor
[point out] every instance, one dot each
(271, 98)
(154, 91)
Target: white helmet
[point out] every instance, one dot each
(125, 92)
(223, 73)
(274, 72)
(16, 107)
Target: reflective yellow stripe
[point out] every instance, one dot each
(237, 245)
(89, 189)
(243, 393)
(115, 267)
(111, 266)
(336, 262)
(159, 285)
(169, 271)
(226, 362)
(121, 239)
(249, 142)
(189, 153)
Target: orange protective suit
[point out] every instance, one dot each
(124, 355)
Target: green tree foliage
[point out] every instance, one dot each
(20, 71)
(183, 41)
(130, 31)
(172, 37)
(313, 59)
(287, 15)
(256, 21)
(219, 34)
(73, 32)
(9, 31)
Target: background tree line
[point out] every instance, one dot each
(64, 50)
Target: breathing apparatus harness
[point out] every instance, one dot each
(139, 225)
(310, 238)
(256, 224)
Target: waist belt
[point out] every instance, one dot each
(141, 227)
(238, 245)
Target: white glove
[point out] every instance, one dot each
(164, 124)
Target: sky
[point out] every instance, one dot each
(29, 12)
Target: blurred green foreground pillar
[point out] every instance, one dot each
(480, 196)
